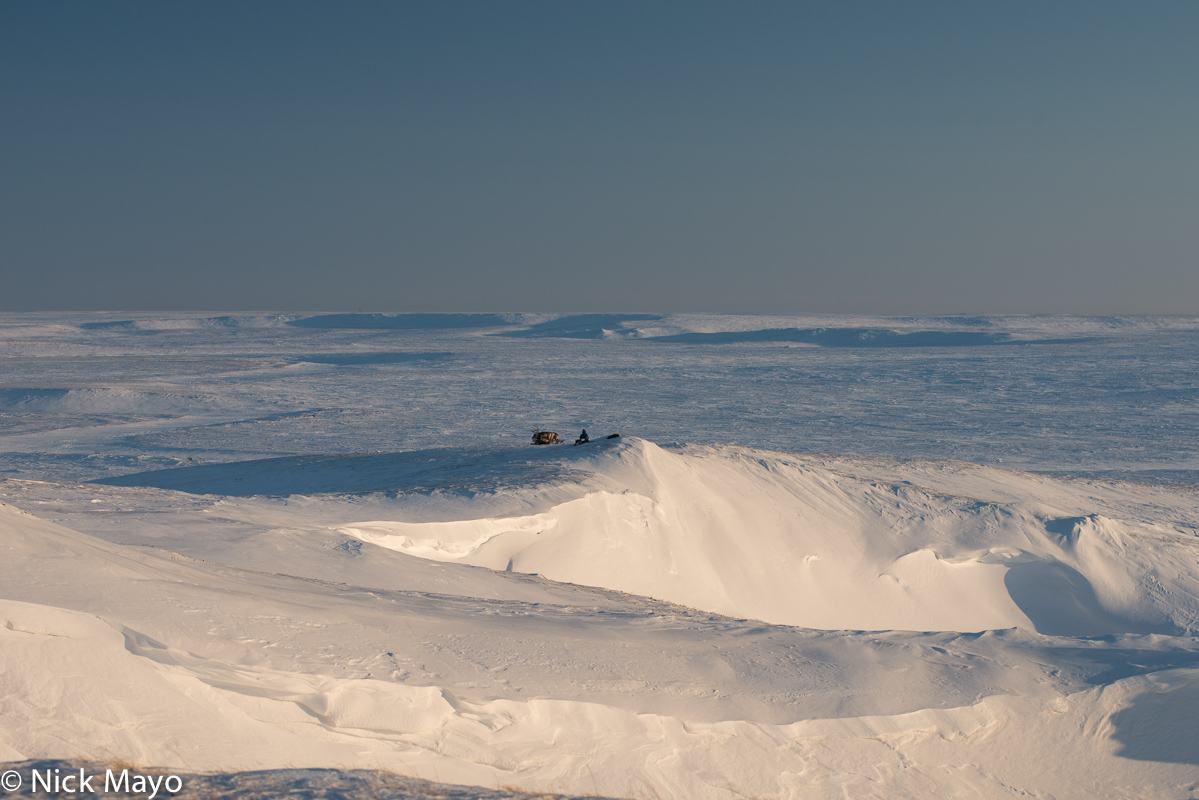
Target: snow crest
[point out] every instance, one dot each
(765, 536)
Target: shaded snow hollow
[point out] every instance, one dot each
(295, 784)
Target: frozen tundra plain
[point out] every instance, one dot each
(830, 557)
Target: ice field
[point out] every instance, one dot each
(828, 557)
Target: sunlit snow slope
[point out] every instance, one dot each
(774, 538)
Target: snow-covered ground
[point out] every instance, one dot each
(828, 557)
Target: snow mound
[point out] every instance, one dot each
(86, 686)
(762, 536)
(160, 659)
(99, 401)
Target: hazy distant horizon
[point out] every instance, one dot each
(497, 311)
(923, 158)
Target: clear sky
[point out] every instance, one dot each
(887, 157)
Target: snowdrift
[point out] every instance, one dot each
(101, 401)
(188, 664)
(767, 536)
(139, 700)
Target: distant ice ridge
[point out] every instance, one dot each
(619, 325)
(187, 322)
(813, 329)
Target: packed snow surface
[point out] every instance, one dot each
(256, 542)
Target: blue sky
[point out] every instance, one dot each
(1015, 157)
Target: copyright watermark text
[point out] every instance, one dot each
(78, 782)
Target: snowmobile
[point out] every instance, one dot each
(552, 437)
(545, 437)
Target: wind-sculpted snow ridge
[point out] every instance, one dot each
(768, 537)
(762, 535)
